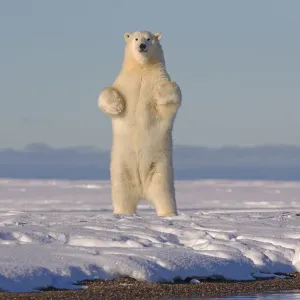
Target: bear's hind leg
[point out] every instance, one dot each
(124, 192)
(124, 201)
(161, 193)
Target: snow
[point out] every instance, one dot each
(56, 233)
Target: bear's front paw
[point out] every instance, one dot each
(111, 102)
(168, 93)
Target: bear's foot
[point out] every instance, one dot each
(127, 211)
(171, 214)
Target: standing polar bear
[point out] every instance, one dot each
(142, 103)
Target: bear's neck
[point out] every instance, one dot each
(131, 65)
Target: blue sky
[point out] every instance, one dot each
(237, 63)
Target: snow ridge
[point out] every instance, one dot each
(56, 247)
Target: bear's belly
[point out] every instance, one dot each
(141, 136)
(141, 149)
(141, 127)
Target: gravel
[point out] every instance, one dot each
(127, 288)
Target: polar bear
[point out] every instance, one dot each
(142, 104)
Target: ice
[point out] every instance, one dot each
(58, 233)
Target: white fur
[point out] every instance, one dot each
(142, 103)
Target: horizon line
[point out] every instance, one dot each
(44, 145)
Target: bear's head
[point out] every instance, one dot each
(143, 47)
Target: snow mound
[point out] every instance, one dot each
(58, 247)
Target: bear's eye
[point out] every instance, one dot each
(148, 39)
(136, 39)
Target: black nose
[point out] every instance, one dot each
(143, 46)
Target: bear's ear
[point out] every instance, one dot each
(126, 36)
(158, 35)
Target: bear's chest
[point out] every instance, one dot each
(138, 93)
(139, 88)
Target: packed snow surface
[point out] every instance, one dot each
(57, 233)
